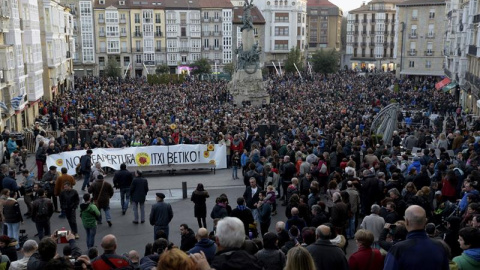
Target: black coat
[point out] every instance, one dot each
(245, 216)
(249, 200)
(138, 190)
(199, 198)
(327, 255)
(122, 179)
(188, 240)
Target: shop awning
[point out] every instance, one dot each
(449, 87)
(442, 83)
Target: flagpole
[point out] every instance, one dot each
(298, 71)
(280, 67)
(128, 67)
(275, 68)
(146, 69)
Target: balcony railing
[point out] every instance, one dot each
(206, 33)
(371, 44)
(412, 52)
(364, 33)
(218, 33)
(414, 18)
(472, 50)
(101, 20)
(412, 36)
(183, 49)
(123, 34)
(138, 49)
(447, 72)
(430, 36)
(363, 44)
(137, 34)
(123, 21)
(429, 53)
(101, 34)
(158, 34)
(364, 21)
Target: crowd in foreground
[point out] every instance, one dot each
(405, 210)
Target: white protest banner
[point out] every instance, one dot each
(145, 156)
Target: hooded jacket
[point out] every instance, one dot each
(89, 213)
(207, 246)
(470, 259)
(235, 259)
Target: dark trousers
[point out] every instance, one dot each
(72, 219)
(53, 198)
(43, 229)
(200, 220)
(264, 227)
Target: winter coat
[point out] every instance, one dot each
(245, 215)
(139, 190)
(218, 211)
(469, 260)
(271, 259)
(69, 199)
(235, 259)
(11, 211)
(199, 198)
(122, 179)
(35, 207)
(188, 240)
(161, 214)
(207, 246)
(325, 254)
(101, 200)
(89, 213)
(61, 180)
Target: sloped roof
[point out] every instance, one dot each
(422, 2)
(215, 4)
(256, 15)
(320, 3)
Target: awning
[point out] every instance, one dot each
(449, 87)
(442, 83)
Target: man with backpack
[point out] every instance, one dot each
(42, 211)
(86, 168)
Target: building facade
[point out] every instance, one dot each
(217, 32)
(56, 25)
(419, 36)
(462, 45)
(285, 28)
(324, 23)
(370, 36)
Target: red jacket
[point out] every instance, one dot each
(360, 260)
(448, 189)
(119, 261)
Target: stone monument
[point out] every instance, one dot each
(247, 82)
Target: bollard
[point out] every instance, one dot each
(184, 189)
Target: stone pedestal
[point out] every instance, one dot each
(247, 84)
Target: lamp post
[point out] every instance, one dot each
(402, 47)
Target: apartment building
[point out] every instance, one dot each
(462, 42)
(285, 28)
(7, 65)
(419, 35)
(324, 23)
(217, 32)
(83, 53)
(258, 29)
(56, 26)
(370, 36)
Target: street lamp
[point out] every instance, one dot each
(401, 49)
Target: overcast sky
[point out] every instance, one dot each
(347, 5)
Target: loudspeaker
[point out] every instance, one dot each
(72, 135)
(85, 135)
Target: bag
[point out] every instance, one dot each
(113, 266)
(323, 169)
(42, 209)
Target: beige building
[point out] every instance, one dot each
(370, 36)
(324, 23)
(420, 28)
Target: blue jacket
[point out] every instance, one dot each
(418, 251)
(244, 160)
(11, 146)
(416, 164)
(464, 201)
(9, 183)
(207, 246)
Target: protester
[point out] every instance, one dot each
(123, 180)
(199, 198)
(138, 195)
(161, 215)
(42, 211)
(101, 192)
(89, 214)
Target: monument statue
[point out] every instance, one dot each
(247, 82)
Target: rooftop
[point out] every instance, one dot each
(256, 15)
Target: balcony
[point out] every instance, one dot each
(137, 34)
(430, 36)
(429, 53)
(123, 34)
(364, 21)
(216, 48)
(149, 63)
(218, 19)
(183, 49)
(101, 34)
(371, 44)
(138, 49)
(372, 21)
(364, 33)
(363, 44)
(414, 18)
(158, 49)
(412, 52)
(472, 50)
(472, 79)
(206, 33)
(412, 36)
(206, 48)
(171, 21)
(476, 18)
(122, 21)
(447, 72)
(218, 33)
(355, 44)
(69, 55)
(356, 21)
(172, 49)
(158, 34)
(183, 22)
(101, 20)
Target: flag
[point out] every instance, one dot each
(3, 106)
(16, 101)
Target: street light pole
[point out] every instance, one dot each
(402, 47)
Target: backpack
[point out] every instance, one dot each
(42, 209)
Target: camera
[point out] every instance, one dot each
(23, 231)
(62, 236)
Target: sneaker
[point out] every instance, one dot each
(77, 236)
(109, 223)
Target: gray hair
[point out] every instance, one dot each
(30, 246)
(230, 232)
(280, 225)
(394, 191)
(375, 208)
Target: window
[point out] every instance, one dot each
(138, 45)
(414, 14)
(126, 61)
(413, 32)
(281, 17)
(281, 31)
(137, 30)
(87, 54)
(138, 58)
(216, 43)
(158, 31)
(281, 44)
(431, 15)
(411, 64)
(205, 43)
(124, 46)
(158, 18)
(113, 46)
(147, 16)
(111, 17)
(101, 61)
(112, 31)
(183, 31)
(103, 47)
(205, 15)
(431, 30)
(101, 19)
(428, 64)
(158, 46)
(137, 18)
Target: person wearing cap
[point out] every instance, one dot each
(161, 215)
(101, 192)
(48, 181)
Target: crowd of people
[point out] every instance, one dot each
(310, 150)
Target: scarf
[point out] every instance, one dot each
(241, 207)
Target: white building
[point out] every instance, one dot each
(285, 27)
(85, 56)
